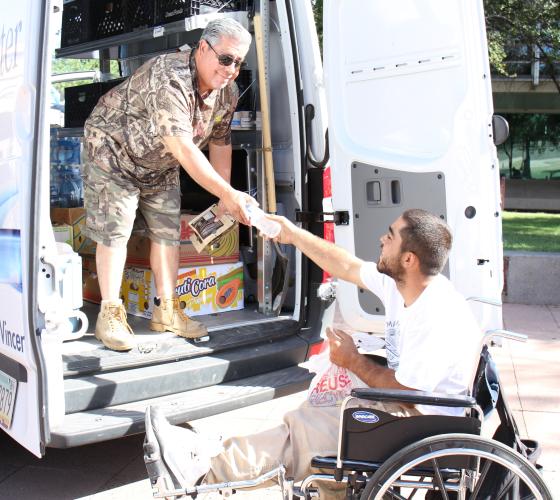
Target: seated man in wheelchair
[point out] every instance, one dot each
(433, 344)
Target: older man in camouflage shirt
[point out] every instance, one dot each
(136, 138)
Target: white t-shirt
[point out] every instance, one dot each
(439, 340)
(384, 287)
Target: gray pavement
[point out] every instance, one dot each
(530, 373)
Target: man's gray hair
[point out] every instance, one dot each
(225, 28)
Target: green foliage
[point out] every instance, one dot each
(524, 29)
(61, 66)
(515, 28)
(73, 65)
(531, 232)
(318, 13)
(532, 133)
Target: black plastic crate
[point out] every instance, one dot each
(206, 6)
(76, 23)
(80, 100)
(246, 94)
(108, 18)
(172, 10)
(139, 14)
(108, 85)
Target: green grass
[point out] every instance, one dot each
(531, 232)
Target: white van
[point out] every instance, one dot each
(407, 88)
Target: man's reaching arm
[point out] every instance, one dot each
(200, 169)
(329, 257)
(220, 159)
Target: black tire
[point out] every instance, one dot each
(491, 454)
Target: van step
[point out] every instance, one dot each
(82, 428)
(88, 355)
(134, 384)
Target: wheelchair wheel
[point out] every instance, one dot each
(457, 466)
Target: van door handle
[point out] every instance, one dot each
(310, 158)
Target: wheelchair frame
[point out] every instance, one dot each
(467, 458)
(377, 480)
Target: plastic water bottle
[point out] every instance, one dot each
(68, 152)
(258, 218)
(54, 185)
(70, 187)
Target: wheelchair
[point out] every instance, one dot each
(381, 456)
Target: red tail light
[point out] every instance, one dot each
(316, 348)
(328, 227)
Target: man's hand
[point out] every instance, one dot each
(343, 351)
(234, 203)
(287, 230)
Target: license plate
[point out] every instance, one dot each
(8, 387)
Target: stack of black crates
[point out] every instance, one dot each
(89, 20)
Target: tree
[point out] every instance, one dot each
(526, 28)
(60, 66)
(531, 132)
(514, 28)
(318, 14)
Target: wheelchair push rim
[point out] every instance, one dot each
(457, 446)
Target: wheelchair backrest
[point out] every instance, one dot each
(486, 385)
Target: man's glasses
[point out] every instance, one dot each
(226, 59)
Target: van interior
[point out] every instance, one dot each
(253, 322)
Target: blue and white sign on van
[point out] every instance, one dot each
(10, 257)
(366, 417)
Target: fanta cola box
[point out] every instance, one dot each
(201, 290)
(211, 289)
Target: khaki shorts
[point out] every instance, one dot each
(112, 204)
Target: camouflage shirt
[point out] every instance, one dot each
(160, 99)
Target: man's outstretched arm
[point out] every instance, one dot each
(329, 257)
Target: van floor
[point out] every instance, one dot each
(227, 330)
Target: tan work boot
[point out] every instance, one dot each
(169, 317)
(113, 329)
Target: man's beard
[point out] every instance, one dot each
(393, 268)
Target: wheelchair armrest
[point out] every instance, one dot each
(414, 397)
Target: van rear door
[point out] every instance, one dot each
(21, 44)
(410, 113)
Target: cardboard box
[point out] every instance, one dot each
(63, 234)
(208, 226)
(90, 284)
(211, 289)
(138, 290)
(225, 249)
(202, 290)
(138, 251)
(76, 218)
